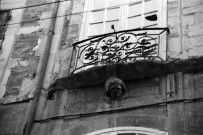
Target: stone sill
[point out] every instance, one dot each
(128, 71)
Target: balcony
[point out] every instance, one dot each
(120, 47)
(148, 63)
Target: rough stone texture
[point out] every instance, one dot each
(25, 67)
(66, 25)
(20, 73)
(64, 34)
(22, 50)
(170, 101)
(190, 3)
(193, 118)
(24, 44)
(129, 71)
(26, 48)
(185, 118)
(7, 44)
(139, 93)
(12, 118)
(150, 117)
(178, 118)
(71, 40)
(15, 80)
(193, 9)
(188, 22)
(19, 63)
(32, 15)
(193, 29)
(84, 100)
(146, 104)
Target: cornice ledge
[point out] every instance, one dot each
(129, 71)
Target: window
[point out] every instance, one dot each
(123, 14)
(129, 131)
(118, 31)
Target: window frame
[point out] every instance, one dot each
(161, 12)
(162, 21)
(136, 130)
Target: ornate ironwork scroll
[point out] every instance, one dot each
(121, 46)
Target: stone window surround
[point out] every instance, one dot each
(136, 130)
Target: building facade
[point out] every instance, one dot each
(101, 67)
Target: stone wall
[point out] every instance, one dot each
(22, 50)
(79, 111)
(20, 58)
(12, 118)
(173, 102)
(186, 23)
(184, 41)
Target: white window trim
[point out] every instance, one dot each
(162, 22)
(141, 130)
(162, 15)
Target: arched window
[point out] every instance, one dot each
(129, 131)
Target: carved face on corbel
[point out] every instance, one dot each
(115, 88)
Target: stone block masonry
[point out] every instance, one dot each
(172, 101)
(189, 20)
(33, 14)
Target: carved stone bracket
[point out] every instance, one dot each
(115, 88)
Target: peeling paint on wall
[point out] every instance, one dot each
(24, 44)
(19, 73)
(26, 68)
(64, 34)
(74, 111)
(33, 14)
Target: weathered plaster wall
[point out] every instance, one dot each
(70, 34)
(184, 40)
(19, 61)
(9, 40)
(58, 59)
(21, 58)
(22, 49)
(150, 117)
(12, 118)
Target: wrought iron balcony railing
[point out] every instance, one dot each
(122, 46)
